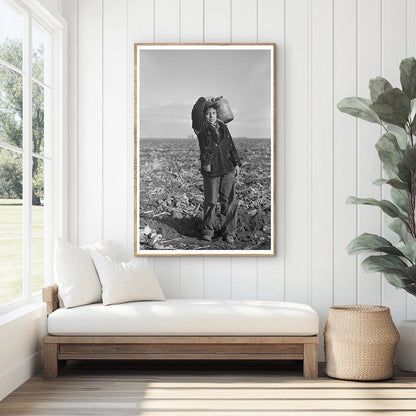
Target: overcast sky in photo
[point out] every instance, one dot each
(172, 80)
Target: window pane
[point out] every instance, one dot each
(41, 46)
(11, 107)
(11, 34)
(38, 118)
(38, 230)
(11, 226)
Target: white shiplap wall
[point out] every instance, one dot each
(326, 50)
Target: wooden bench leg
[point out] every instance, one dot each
(50, 360)
(310, 360)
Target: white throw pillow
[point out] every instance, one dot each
(126, 282)
(103, 247)
(75, 273)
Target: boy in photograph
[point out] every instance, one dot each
(220, 167)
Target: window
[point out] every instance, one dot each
(31, 140)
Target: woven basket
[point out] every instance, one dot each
(360, 341)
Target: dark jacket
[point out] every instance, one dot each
(217, 150)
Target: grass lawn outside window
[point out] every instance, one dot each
(11, 249)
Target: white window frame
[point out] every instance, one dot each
(58, 211)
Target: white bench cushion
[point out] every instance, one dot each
(187, 317)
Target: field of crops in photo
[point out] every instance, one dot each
(171, 196)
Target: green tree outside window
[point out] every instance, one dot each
(11, 116)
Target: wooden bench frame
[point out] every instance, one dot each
(58, 349)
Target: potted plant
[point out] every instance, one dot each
(394, 109)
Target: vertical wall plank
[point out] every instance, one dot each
(244, 29)
(192, 31)
(192, 21)
(115, 52)
(411, 51)
(369, 168)
(321, 167)
(70, 12)
(167, 21)
(411, 28)
(140, 30)
(271, 29)
(296, 152)
(244, 278)
(345, 152)
(90, 128)
(393, 51)
(217, 278)
(217, 22)
(167, 16)
(192, 278)
(168, 274)
(140, 21)
(244, 21)
(217, 28)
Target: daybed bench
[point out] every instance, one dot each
(181, 329)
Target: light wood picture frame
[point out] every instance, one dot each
(205, 149)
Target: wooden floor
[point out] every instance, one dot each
(191, 389)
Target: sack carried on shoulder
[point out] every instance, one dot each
(222, 106)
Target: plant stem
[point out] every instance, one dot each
(412, 195)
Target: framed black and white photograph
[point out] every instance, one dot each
(204, 150)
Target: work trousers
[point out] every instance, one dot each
(224, 187)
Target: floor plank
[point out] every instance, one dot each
(216, 388)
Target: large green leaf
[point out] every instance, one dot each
(400, 228)
(408, 77)
(406, 273)
(392, 107)
(366, 243)
(411, 289)
(389, 151)
(388, 207)
(394, 269)
(401, 139)
(381, 263)
(395, 183)
(398, 184)
(359, 107)
(410, 158)
(391, 174)
(410, 272)
(404, 173)
(380, 182)
(378, 86)
(408, 249)
(397, 280)
(400, 198)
